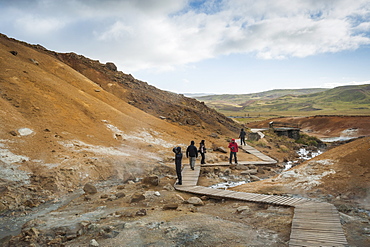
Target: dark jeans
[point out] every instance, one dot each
(178, 172)
(231, 157)
(202, 161)
(242, 140)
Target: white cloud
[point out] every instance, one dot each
(38, 26)
(164, 34)
(338, 84)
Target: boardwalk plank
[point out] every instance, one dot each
(313, 224)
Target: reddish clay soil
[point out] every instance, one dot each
(325, 126)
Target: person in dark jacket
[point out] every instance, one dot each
(202, 151)
(242, 136)
(192, 154)
(178, 160)
(233, 150)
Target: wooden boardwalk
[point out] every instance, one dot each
(314, 223)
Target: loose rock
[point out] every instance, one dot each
(196, 201)
(151, 180)
(137, 197)
(93, 243)
(90, 189)
(170, 206)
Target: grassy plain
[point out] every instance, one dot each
(346, 100)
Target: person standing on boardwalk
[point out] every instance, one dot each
(202, 151)
(233, 150)
(178, 160)
(242, 136)
(192, 154)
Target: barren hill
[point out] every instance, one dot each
(90, 107)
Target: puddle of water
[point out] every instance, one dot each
(307, 155)
(337, 139)
(303, 155)
(227, 185)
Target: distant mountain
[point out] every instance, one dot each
(266, 95)
(340, 100)
(197, 95)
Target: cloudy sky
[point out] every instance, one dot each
(206, 46)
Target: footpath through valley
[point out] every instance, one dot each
(314, 223)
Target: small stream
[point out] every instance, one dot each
(303, 155)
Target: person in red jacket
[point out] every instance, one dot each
(233, 150)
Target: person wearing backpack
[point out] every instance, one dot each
(192, 154)
(242, 136)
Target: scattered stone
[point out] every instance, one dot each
(254, 178)
(125, 214)
(112, 198)
(111, 66)
(244, 173)
(227, 172)
(141, 212)
(120, 187)
(170, 206)
(111, 234)
(280, 165)
(104, 196)
(90, 189)
(193, 209)
(15, 53)
(213, 135)
(25, 131)
(180, 197)
(93, 243)
(221, 149)
(2, 207)
(252, 171)
(151, 180)
(150, 194)
(34, 61)
(137, 197)
(204, 198)
(241, 167)
(243, 209)
(168, 187)
(120, 194)
(55, 242)
(251, 166)
(162, 117)
(13, 133)
(31, 203)
(260, 170)
(196, 201)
